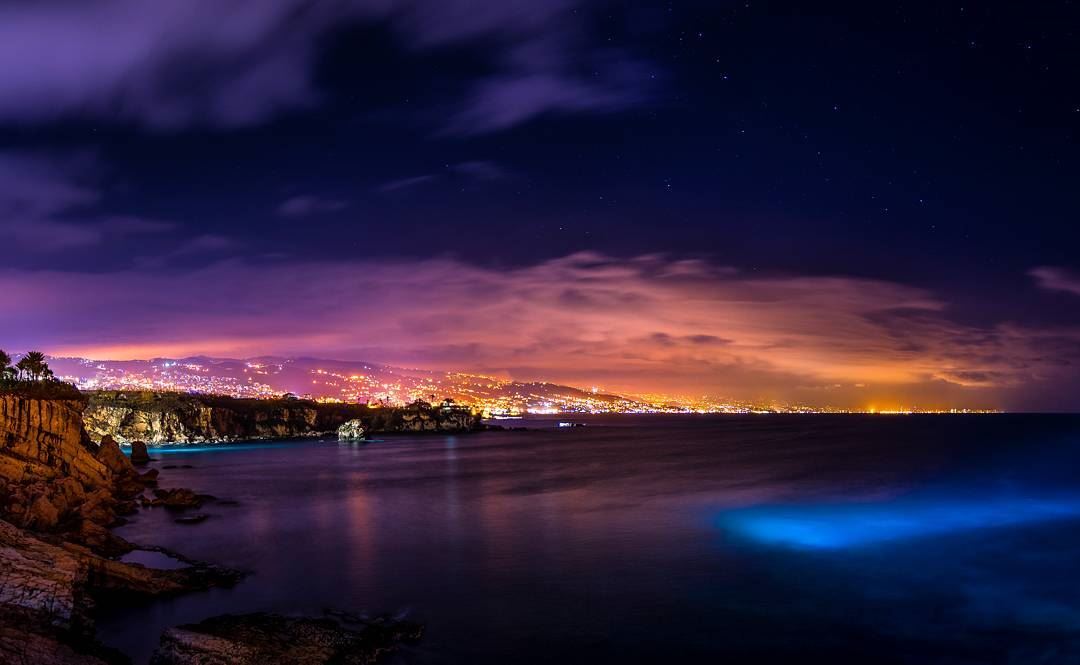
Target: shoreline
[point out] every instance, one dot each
(61, 497)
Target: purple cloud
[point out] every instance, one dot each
(637, 324)
(476, 170)
(1056, 279)
(525, 92)
(304, 206)
(171, 64)
(407, 183)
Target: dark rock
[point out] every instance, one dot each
(42, 514)
(36, 643)
(110, 455)
(139, 456)
(126, 507)
(254, 639)
(180, 497)
(46, 592)
(126, 480)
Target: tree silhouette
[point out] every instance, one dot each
(33, 365)
(7, 372)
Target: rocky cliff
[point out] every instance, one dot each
(176, 418)
(59, 493)
(43, 439)
(167, 418)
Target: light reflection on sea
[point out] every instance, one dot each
(655, 539)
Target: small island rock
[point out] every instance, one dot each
(352, 430)
(139, 456)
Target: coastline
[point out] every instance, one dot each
(61, 494)
(170, 418)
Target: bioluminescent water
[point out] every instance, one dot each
(809, 539)
(853, 525)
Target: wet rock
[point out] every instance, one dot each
(126, 480)
(111, 456)
(39, 644)
(41, 580)
(125, 507)
(253, 639)
(98, 507)
(139, 456)
(180, 497)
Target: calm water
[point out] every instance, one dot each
(656, 539)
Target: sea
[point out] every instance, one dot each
(650, 539)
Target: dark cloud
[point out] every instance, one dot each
(171, 64)
(48, 204)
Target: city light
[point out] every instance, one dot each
(386, 386)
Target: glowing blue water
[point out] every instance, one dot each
(852, 525)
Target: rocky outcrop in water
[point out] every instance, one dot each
(351, 431)
(139, 455)
(47, 590)
(255, 639)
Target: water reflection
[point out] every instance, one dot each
(841, 540)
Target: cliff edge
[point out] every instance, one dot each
(59, 493)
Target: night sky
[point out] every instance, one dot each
(840, 204)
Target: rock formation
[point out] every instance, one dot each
(47, 591)
(174, 418)
(254, 639)
(43, 439)
(139, 455)
(59, 493)
(352, 430)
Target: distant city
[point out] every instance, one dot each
(383, 385)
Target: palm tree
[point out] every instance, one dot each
(32, 366)
(36, 365)
(23, 368)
